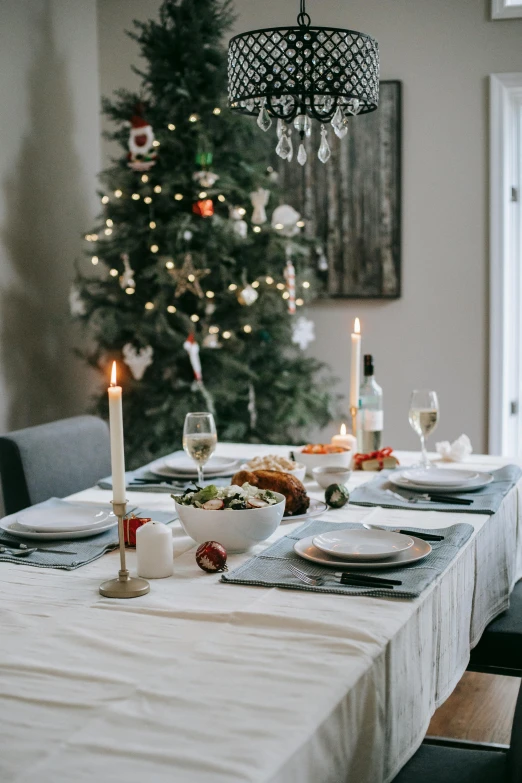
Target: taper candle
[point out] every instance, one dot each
(117, 452)
(355, 374)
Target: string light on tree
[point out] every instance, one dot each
(113, 272)
(144, 177)
(149, 305)
(171, 309)
(147, 200)
(94, 260)
(178, 196)
(157, 188)
(171, 126)
(105, 200)
(118, 193)
(216, 111)
(152, 224)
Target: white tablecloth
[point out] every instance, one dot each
(201, 681)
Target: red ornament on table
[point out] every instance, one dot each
(212, 557)
(204, 208)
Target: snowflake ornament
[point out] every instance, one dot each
(304, 332)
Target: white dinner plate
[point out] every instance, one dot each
(305, 548)
(357, 544)
(440, 476)
(482, 480)
(14, 529)
(67, 518)
(185, 468)
(315, 509)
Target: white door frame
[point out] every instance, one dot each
(505, 349)
(505, 9)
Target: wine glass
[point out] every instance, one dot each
(199, 439)
(424, 417)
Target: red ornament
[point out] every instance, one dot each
(212, 556)
(204, 208)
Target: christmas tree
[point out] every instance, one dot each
(194, 291)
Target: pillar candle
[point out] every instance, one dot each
(345, 440)
(117, 452)
(154, 553)
(355, 373)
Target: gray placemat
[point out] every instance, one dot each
(485, 501)
(72, 553)
(268, 569)
(159, 484)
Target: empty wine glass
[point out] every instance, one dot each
(199, 439)
(424, 417)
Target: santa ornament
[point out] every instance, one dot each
(192, 348)
(142, 155)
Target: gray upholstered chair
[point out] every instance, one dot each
(53, 460)
(500, 648)
(436, 762)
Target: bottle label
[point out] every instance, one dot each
(373, 421)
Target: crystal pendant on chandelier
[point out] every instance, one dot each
(324, 152)
(301, 155)
(300, 72)
(284, 147)
(263, 119)
(290, 147)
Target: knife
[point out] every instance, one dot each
(377, 580)
(348, 580)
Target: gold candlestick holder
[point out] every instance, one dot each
(125, 585)
(353, 413)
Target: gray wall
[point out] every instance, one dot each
(437, 335)
(48, 160)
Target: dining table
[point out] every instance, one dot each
(200, 681)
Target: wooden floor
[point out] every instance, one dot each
(480, 709)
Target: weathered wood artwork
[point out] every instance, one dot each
(353, 202)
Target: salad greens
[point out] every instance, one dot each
(234, 497)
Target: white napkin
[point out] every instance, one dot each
(456, 451)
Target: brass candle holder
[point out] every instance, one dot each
(125, 585)
(353, 413)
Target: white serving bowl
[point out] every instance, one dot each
(235, 529)
(331, 475)
(299, 471)
(341, 459)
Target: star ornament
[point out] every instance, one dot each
(188, 277)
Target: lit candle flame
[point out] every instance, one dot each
(113, 375)
(357, 326)
(343, 429)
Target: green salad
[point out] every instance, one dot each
(214, 498)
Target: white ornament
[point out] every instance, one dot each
(187, 235)
(240, 228)
(76, 303)
(127, 278)
(287, 217)
(304, 332)
(322, 261)
(247, 296)
(192, 348)
(206, 179)
(259, 199)
(137, 361)
(211, 341)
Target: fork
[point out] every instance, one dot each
(308, 580)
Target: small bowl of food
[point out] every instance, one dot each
(319, 455)
(237, 517)
(326, 476)
(276, 462)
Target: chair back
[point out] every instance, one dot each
(514, 760)
(53, 460)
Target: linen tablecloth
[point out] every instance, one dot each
(198, 681)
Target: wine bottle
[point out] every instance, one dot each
(371, 412)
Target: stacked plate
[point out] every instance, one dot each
(58, 519)
(360, 548)
(181, 467)
(440, 480)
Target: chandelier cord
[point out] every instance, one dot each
(303, 19)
